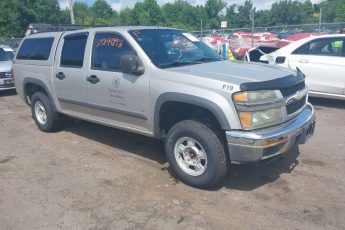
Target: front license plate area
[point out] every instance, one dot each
(310, 130)
(8, 82)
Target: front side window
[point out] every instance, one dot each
(302, 50)
(170, 48)
(324, 47)
(108, 48)
(73, 50)
(35, 49)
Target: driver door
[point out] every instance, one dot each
(114, 97)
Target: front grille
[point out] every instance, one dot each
(293, 89)
(3, 75)
(294, 106)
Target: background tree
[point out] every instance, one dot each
(333, 10)
(82, 14)
(244, 13)
(213, 9)
(16, 15)
(146, 13)
(102, 13)
(181, 14)
(125, 17)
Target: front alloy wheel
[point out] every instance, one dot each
(190, 156)
(195, 154)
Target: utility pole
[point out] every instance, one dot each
(71, 11)
(320, 20)
(251, 17)
(201, 32)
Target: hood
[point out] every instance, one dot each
(5, 66)
(234, 72)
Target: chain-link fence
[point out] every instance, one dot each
(280, 31)
(12, 42)
(240, 40)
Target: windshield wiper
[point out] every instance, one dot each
(177, 63)
(207, 59)
(201, 60)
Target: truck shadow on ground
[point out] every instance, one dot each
(132, 143)
(241, 177)
(250, 176)
(6, 93)
(318, 103)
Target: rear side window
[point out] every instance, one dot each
(35, 49)
(73, 50)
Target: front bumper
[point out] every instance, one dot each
(249, 146)
(6, 84)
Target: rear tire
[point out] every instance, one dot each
(46, 118)
(195, 154)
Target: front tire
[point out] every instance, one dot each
(195, 154)
(45, 116)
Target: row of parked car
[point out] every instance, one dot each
(320, 58)
(6, 56)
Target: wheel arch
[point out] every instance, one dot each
(204, 103)
(39, 86)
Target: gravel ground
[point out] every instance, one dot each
(88, 176)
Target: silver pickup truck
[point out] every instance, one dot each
(166, 84)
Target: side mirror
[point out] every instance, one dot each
(132, 64)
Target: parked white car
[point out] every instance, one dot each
(321, 59)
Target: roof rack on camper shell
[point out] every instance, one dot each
(35, 28)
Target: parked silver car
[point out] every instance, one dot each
(6, 56)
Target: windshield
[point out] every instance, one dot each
(170, 48)
(3, 55)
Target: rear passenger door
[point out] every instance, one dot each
(70, 72)
(114, 97)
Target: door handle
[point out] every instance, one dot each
(303, 61)
(93, 79)
(60, 75)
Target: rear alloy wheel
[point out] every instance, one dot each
(40, 113)
(46, 118)
(195, 154)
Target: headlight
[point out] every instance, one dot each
(260, 119)
(259, 109)
(255, 97)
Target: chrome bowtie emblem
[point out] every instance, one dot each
(299, 95)
(296, 97)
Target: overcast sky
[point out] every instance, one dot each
(120, 4)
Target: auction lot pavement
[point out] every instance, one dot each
(88, 176)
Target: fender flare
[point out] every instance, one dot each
(190, 99)
(35, 81)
